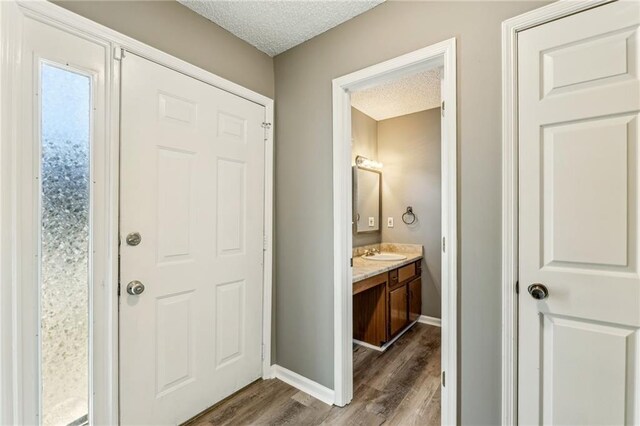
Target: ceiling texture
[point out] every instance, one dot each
(406, 95)
(274, 26)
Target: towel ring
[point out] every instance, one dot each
(409, 216)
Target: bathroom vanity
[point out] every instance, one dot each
(387, 296)
(387, 286)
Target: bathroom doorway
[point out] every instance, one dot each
(395, 258)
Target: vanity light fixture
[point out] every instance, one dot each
(365, 163)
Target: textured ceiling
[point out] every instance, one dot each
(274, 26)
(413, 93)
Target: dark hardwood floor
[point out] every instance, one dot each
(398, 387)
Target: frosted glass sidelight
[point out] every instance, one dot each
(64, 298)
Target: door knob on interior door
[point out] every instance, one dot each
(133, 239)
(135, 288)
(538, 291)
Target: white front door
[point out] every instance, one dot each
(192, 187)
(579, 99)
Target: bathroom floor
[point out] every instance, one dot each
(400, 386)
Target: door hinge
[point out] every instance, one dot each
(444, 245)
(266, 126)
(443, 379)
(118, 53)
(517, 287)
(442, 109)
(351, 262)
(118, 270)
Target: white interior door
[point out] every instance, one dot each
(579, 98)
(192, 175)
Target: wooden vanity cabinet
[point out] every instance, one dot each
(385, 304)
(405, 303)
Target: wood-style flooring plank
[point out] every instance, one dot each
(398, 387)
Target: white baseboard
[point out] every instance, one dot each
(299, 382)
(430, 320)
(390, 342)
(269, 373)
(368, 345)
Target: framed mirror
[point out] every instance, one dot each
(367, 200)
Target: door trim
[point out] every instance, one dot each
(509, 268)
(12, 12)
(439, 54)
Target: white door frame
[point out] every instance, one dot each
(105, 402)
(440, 54)
(510, 30)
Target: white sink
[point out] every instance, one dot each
(385, 257)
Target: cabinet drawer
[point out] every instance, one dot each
(368, 283)
(407, 272)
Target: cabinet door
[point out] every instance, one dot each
(415, 299)
(398, 307)
(369, 315)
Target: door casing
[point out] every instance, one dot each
(104, 404)
(509, 269)
(439, 54)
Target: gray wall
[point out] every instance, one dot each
(409, 148)
(304, 263)
(364, 133)
(175, 29)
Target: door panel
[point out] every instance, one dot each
(192, 173)
(579, 97)
(174, 344)
(231, 195)
(175, 222)
(592, 366)
(598, 152)
(229, 318)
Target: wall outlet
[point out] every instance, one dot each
(389, 222)
(372, 221)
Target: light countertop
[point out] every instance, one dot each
(364, 268)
